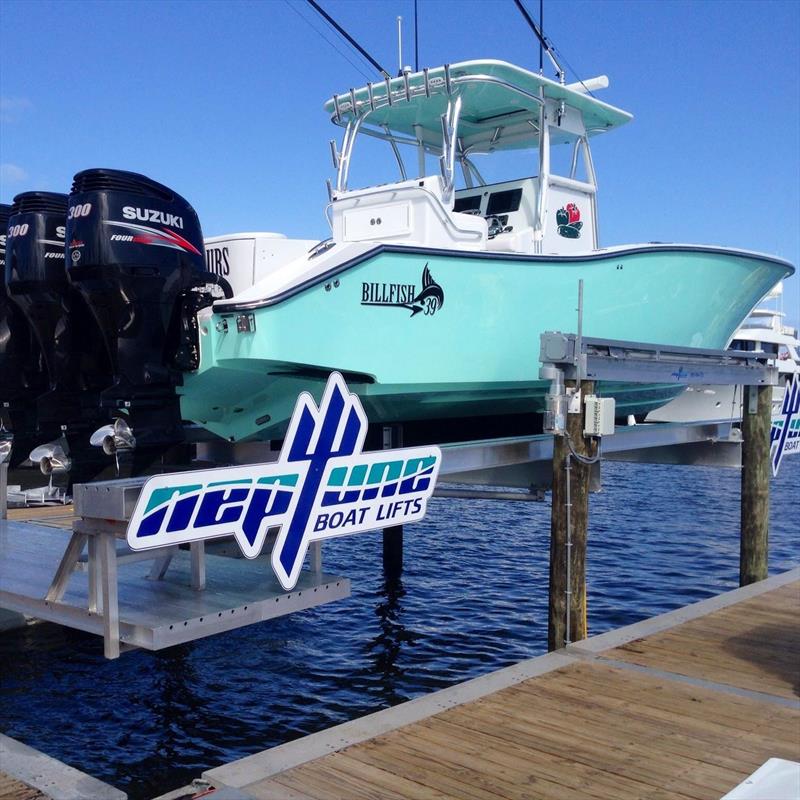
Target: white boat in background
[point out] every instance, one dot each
(763, 330)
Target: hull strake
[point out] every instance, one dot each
(427, 334)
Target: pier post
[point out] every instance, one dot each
(4, 490)
(754, 544)
(393, 535)
(568, 546)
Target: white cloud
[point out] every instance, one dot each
(11, 173)
(13, 108)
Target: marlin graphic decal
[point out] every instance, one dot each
(431, 294)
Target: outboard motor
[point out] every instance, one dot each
(135, 253)
(75, 361)
(22, 375)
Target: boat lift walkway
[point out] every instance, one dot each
(684, 705)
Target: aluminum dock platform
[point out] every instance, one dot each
(153, 600)
(27, 774)
(684, 705)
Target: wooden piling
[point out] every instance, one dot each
(393, 552)
(560, 549)
(754, 544)
(392, 536)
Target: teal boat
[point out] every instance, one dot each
(433, 289)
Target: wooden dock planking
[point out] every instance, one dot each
(686, 712)
(56, 516)
(12, 789)
(753, 646)
(27, 774)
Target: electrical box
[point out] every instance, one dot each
(599, 420)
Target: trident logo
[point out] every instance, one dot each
(316, 436)
(785, 430)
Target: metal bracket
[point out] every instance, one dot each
(752, 400)
(573, 400)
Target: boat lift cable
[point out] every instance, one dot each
(339, 29)
(575, 454)
(316, 30)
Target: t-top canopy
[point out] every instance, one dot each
(499, 105)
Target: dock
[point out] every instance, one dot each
(27, 774)
(684, 705)
(152, 600)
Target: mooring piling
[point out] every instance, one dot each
(393, 535)
(754, 543)
(568, 525)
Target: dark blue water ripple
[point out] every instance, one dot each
(473, 598)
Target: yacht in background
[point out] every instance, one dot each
(764, 330)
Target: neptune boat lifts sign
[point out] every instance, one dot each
(321, 486)
(785, 432)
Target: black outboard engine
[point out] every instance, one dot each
(135, 252)
(77, 366)
(22, 374)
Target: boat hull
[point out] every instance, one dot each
(426, 334)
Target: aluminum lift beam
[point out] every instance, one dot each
(586, 358)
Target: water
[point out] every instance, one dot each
(473, 598)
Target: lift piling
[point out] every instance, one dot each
(568, 528)
(578, 358)
(754, 546)
(393, 535)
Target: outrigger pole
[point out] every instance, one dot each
(416, 37)
(541, 48)
(349, 38)
(542, 40)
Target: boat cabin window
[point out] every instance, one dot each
(504, 202)
(513, 203)
(469, 204)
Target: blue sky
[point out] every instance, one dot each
(222, 101)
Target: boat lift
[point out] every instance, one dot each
(162, 597)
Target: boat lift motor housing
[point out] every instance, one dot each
(135, 252)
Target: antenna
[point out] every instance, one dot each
(399, 45)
